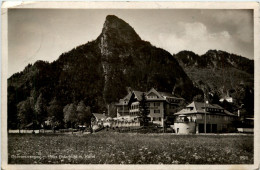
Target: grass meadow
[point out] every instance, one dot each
(129, 148)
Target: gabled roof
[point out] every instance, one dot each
(138, 94)
(160, 97)
(198, 107)
(128, 96)
(99, 116)
(125, 99)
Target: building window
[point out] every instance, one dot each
(156, 104)
(156, 111)
(160, 118)
(153, 118)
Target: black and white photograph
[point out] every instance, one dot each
(130, 86)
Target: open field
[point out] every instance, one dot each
(129, 148)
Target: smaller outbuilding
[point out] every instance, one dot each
(99, 116)
(198, 117)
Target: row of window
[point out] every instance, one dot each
(153, 104)
(156, 119)
(155, 111)
(134, 113)
(173, 100)
(215, 117)
(134, 106)
(189, 108)
(152, 97)
(156, 104)
(215, 110)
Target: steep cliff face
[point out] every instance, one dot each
(116, 32)
(129, 61)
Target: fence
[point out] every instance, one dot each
(118, 124)
(125, 124)
(23, 131)
(42, 131)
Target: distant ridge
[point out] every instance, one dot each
(219, 70)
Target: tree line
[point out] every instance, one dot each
(36, 112)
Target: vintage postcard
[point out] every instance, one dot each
(123, 85)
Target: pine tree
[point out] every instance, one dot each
(144, 110)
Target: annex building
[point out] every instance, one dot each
(198, 116)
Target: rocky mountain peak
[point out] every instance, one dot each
(116, 28)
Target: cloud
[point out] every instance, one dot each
(240, 22)
(195, 37)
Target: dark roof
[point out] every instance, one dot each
(128, 96)
(122, 101)
(138, 94)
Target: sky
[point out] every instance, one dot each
(44, 34)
